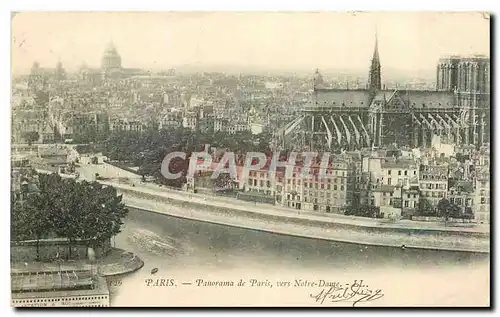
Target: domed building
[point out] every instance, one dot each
(111, 59)
(318, 81)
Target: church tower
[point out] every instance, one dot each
(375, 80)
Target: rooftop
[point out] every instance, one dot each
(64, 280)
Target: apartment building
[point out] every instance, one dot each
(433, 181)
(482, 204)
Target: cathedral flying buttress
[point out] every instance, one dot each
(458, 111)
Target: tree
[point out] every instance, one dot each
(31, 137)
(29, 219)
(455, 211)
(368, 211)
(425, 208)
(69, 209)
(223, 182)
(103, 213)
(444, 208)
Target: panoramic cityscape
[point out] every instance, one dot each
(274, 168)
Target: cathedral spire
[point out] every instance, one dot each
(375, 53)
(375, 75)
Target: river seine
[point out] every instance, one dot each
(185, 251)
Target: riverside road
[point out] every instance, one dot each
(185, 248)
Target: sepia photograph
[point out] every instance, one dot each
(250, 159)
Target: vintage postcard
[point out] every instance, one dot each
(250, 159)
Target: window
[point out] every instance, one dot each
(406, 173)
(389, 172)
(342, 187)
(406, 203)
(389, 181)
(414, 172)
(334, 187)
(399, 172)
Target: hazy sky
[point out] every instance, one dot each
(289, 41)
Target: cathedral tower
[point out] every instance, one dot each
(375, 80)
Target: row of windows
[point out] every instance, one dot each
(433, 186)
(296, 175)
(322, 194)
(403, 181)
(329, 181)
(433, 194)
(389, 172)
(322, 186)
(334, 202)
(436, 177)
(261, 183)
(328, 187)
(407, 203)
(267, 192)
(459, 201)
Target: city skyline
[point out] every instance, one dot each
(293, 42)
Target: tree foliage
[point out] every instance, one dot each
(362, 211)
(148, 149)
(425, 208)
(65, 208)
(31, 137)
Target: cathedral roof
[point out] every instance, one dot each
(343, 97)
(428, 98)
